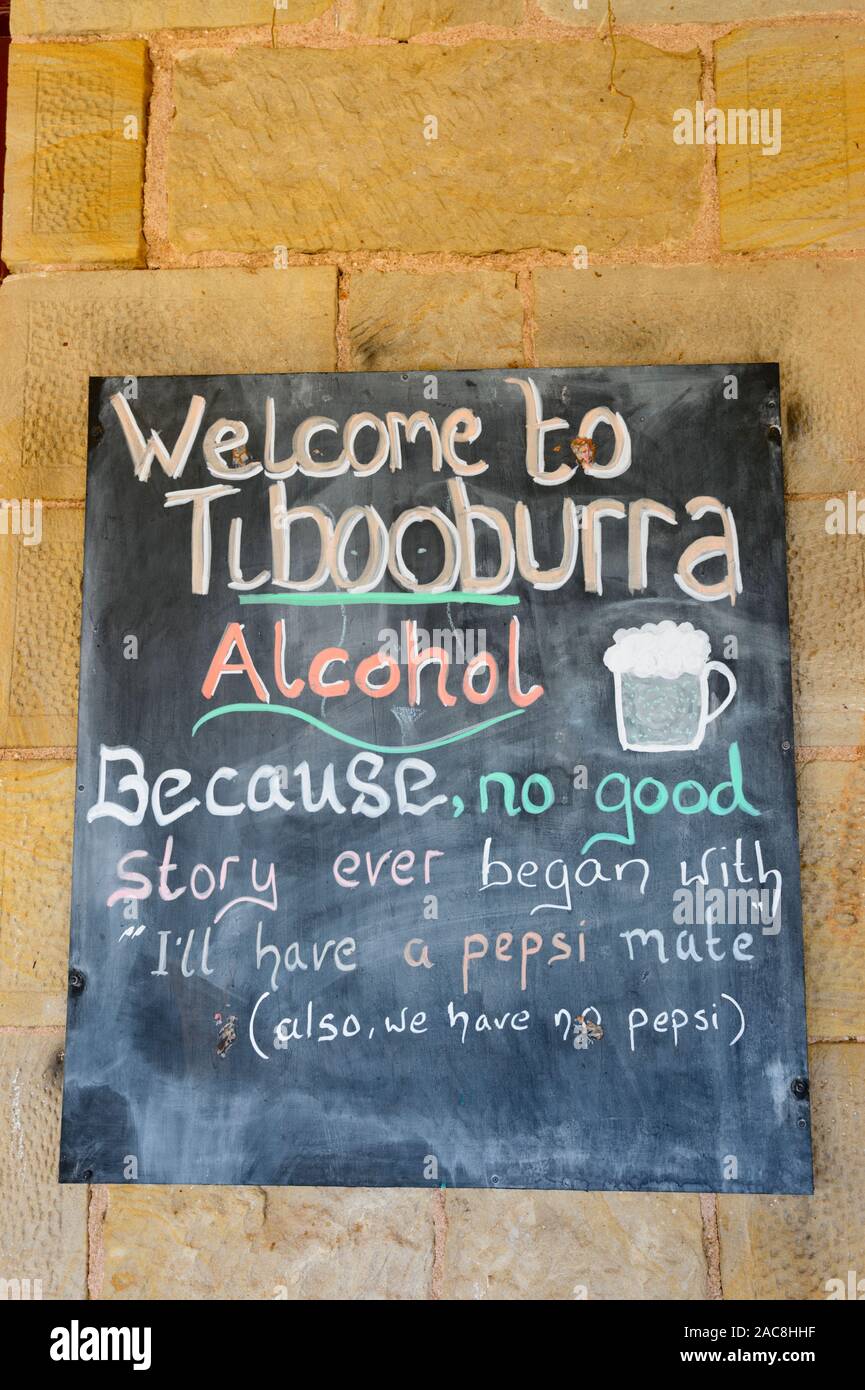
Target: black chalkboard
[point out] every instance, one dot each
(481, 865)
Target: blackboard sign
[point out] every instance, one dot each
(436, 815)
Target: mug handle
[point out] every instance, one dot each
(731, 679)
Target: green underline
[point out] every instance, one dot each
(347, 738)
(329, 600)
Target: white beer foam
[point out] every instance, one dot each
(665, 649)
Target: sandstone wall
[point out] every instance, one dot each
(229, 185)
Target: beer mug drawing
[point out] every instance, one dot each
(661, 673)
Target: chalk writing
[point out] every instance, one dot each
(446, 815)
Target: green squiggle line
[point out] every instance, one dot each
(347, 738)
(344, 599)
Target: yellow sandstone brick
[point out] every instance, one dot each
(138, 16)
(38, 707)
(29, 1008)
(326, 149)
(8, 568)
(36, 807)
(400, 19)
(806, 315)
(43, 1233)
(790, 1247)
(13, 356)
(566, 1245)
(75, 154)
(271, 1243)
(832, 836)
(459, 319)
(56, 332)
(812, 193)
(827, 629)
(686, 11)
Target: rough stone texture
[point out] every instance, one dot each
(687, 11)
(137, 16)
(458, 319)
(271, 1243)
(38, 708)
(788, 1247)
(806, 315)
(325, 150)
(832, 838)
(8, 567)
(552, 1245)
(14, 481)
(55, 333)
(827, 628)
(400, 19)
(43, 1233)
(812, 193)
(36, 802)
(73, 179)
